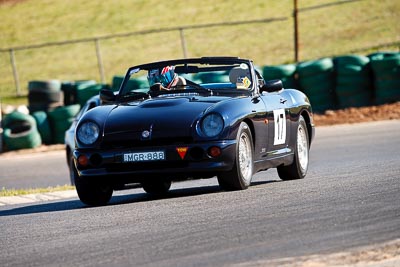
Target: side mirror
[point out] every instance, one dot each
(107, 96)
(272, 86)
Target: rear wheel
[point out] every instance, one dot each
(156, 188)
(298, 168)
(93, 191)
(239, 177)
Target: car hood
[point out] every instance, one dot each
(162, 117)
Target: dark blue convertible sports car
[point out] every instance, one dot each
(187, 119)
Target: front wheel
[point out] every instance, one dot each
(239, 177)
(93, 191)
(298, 168)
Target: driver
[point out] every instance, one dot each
(166, 79)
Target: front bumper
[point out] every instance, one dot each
(195, 162)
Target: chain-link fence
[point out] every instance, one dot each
(104, 56)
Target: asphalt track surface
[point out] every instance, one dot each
(349, 199)
(33, 170)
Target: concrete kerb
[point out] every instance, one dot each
(32, 198)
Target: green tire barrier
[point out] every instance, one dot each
(44, 95)
(386, 70)
(315, 66)
(286, 73)
(190, 77)
(133, 84)
(43, 125)
(213, 77)
(16, 117)
(353, 81)
(70, 89)
(60, 120)
(317, 81)
(116, 83)
(85, 92)
(139, 83)
(20, 131)
(24, 140)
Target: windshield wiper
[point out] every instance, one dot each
(209, 92)
(135, 95)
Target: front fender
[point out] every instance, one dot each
(98, 115)
(234, 111)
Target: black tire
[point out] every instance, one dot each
(49, 85)
(298, 168)
(156, 188)
(42, 97)
(93, 191)
(73, 173)
(240, 176)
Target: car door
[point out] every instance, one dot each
(278, 119)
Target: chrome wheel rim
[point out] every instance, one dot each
(302, 148)
(245, 157)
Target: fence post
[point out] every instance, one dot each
(100, 61)
(183, 43)
(296, 32)
(15, 72)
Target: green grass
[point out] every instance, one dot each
(17, 192)
(331, 31)
(15, 100)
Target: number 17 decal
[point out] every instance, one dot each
(280, 127)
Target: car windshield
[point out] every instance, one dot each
(181, 77)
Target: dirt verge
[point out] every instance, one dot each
(357, 115)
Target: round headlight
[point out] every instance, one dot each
(212, 125)
(88, 133)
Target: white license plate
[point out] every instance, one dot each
(144, 156)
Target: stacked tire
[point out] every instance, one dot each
(70, 90)
(286, 73)
(116, 82)
(60, 120)
(386, 70)
(353, 81)
(43, 126)
(20, 131)
(44, 95)
(86, 91)
(317, 81)
(133, 84)
(212, 77)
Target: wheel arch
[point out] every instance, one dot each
(252, 130)
(307, 118)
